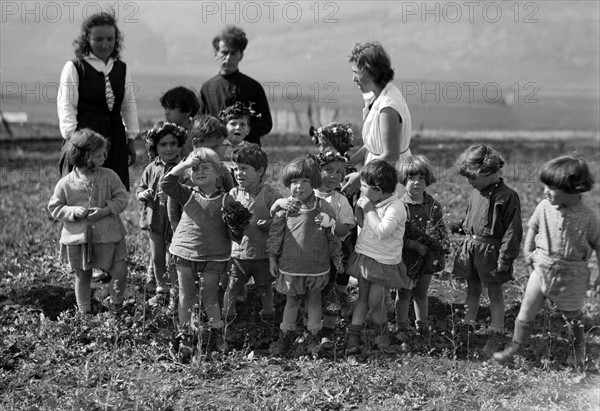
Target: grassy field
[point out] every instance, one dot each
(53, 358)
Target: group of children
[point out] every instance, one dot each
(202, 173)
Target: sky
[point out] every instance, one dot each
(439, 49)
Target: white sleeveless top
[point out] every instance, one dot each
(371, 132)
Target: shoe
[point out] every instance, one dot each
(403, 337)
(354, 344)
(182, 348)
(284, 343)
(576, 356)
(493, 344)
(100, 276)
(161, 299)
(508, 353)
(310, 343)
(382, 340)
(463, 332)
(326, 338)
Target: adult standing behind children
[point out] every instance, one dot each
(94, 93)
(230, 85)
(386, 129)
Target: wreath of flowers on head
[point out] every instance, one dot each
(338, 135)
(159, 130)
(238, 109)
(327, 157)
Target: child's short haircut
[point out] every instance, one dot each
(414, 165)
(380, 173)
(253, 156)
(206, 127)
(158, 131)
(207, 156)
(302, 167)
(233, 36)
(479, 160)
(182, 98)
(82, 143)
(568, 174)
(337, 135)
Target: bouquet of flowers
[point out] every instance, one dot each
(431, 238)
(237, 217)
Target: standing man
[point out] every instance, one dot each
(230, 85)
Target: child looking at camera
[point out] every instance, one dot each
(181, 105)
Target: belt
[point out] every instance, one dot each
(486, 240)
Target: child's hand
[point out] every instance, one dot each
(146, 195)
(96, 213)
(162, 196)
(324, 220)
(365, 204)
(264, 225)
(420, 248)
(80, 212)
(292, 205)
(274, 267)
(528, 260)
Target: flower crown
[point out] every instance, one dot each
(329, 156)
(238, 109)
(339, 136)
(161, 129)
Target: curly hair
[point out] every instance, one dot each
(82, 43)
(160, 130)
(373, 60)
(253, 156)
(479, 160)
(82, 143)
(414, 165)
(233, 36)
(238, 110)
(302, 167)
(337, 135)
(182, 98)
(206, 127)
(569, 174)
(380, 173)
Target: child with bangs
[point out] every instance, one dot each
(377, 260)
(563, 232)
(249, 257)
(301, 246)
(425, 245)
(493, 230)
(201, 245)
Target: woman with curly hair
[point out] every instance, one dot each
(95, 92)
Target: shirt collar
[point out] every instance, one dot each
(98, 64)
(388, 200)
(408, 199)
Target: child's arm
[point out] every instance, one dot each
(383, 227)
(116, 204)
(275, 242)
(170, 184)
(61, 211)
(511, 240)
(288, 204)
(271, 197)
(143, 192)
(529, 247)
(359, 215)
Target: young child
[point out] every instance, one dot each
(206, 132)
(249, 257)
(300, 248)
(89, 200)
(236, 119)
(339, 138)
(425, 244)
(201, 243)
(163, 143)
(181, 105)
(377, 259)
(493, 229)
(563, 232)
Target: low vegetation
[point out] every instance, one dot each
(51, 357)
